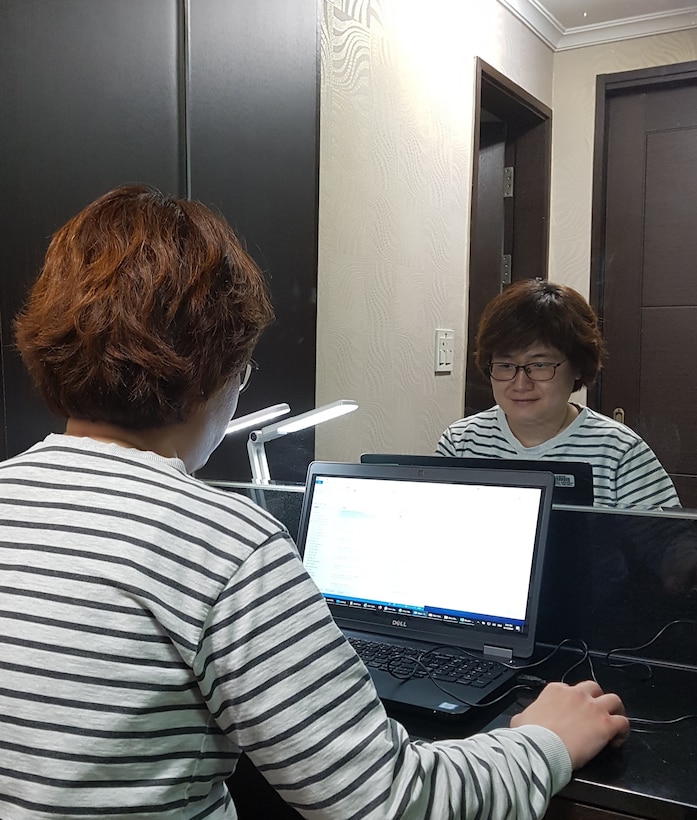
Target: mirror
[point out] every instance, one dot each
(396, 120)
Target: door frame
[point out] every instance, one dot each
(526, 229)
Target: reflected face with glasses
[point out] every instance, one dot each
(537, 341)
(532, 386)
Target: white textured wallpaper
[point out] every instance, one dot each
(396, 135)
(396, 115)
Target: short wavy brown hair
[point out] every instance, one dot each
(146, 306)
(534, 310)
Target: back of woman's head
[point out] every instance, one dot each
(534, 311)
(146, 306)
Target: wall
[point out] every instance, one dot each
(575, 74)
(396, 133)
(395, 181)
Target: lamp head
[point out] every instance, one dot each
(257, 438)
(257, 417)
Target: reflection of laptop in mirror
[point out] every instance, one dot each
(436, 560)
(573, 480)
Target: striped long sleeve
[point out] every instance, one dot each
(626, 472)
(152, 628)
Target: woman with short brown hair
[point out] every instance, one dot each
(537, 342)
(152, 627)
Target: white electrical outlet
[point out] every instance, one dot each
(445, 350)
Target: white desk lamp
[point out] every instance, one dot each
(258, 438)
(257, 417)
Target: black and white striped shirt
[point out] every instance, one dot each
(152, 627)
(626, 473)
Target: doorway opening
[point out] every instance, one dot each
(509, 229)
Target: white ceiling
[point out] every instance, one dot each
(564, 24)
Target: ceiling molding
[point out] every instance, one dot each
(534, 15)
(537, 19)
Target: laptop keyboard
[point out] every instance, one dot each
(407, 662)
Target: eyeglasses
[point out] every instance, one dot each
(246, 374)
(536, 371)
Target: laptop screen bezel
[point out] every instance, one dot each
(581, 494)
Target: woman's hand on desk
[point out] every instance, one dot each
(583, 717)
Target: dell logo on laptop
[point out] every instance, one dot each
(403, 624)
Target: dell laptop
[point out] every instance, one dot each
(433, 573)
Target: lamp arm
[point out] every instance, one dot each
(257, 458)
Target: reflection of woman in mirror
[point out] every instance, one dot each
(538, 342)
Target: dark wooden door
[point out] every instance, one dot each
(487, 245)
(644, 281)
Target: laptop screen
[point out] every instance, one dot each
(445, 551)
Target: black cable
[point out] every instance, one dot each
(418, 662)
(527, 682)
(626, 664)
(532, 682)
(483, 704)
(670, 722)
(585, 656)
(643, 645)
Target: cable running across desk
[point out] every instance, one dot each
(444, 665)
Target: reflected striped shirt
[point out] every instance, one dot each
(626, 473)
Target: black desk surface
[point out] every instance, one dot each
(653, 775)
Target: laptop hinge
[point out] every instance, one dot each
(498, 652)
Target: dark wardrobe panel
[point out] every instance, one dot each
(253, 125)
(90, 99)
